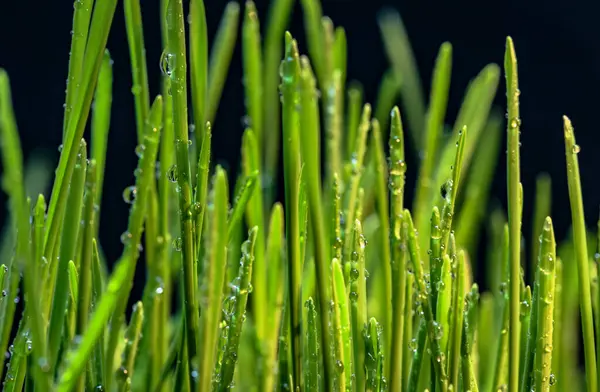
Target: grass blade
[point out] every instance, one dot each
(542, 207)
(358, 304)
(342, 330)
(311, 371)
(253, 67)
(198, 67)
(132, 338)
(355, 104)
(581, 254)
(240, 203)
(386, 96)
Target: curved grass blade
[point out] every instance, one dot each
(139, 71)
(220, 58)
(253, 68)
(214, 278)
(198, 51)
(117, 291)
(242, 287)
(581, 254)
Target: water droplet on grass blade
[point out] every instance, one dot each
(172, 173)
(165, 66)
(139, 150)
(177, 243)
(129, 194)
(576, 149)
(125, 238)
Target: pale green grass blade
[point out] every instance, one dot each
(444, 300)
(545, 323)
(220, 58)
(132, 338)
(581, 254)
(98, 35)
(234, 320)
(311, 370)
(404, 65)
(389, 88)
(253, 68)
(417, 346)
(501, 364)
(542, 207)
(201, 190)
(358, 305)
(342, 330)
(70, 232)
(408, 327)
(313, 16)
(340, 57)
(81, 26)
(97, 289)
(215, 264)
(139, 70)
(198, 51)
(375, 380)
(333, 128)
(355, 104)
(117, 290)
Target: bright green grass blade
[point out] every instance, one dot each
(255, 217)
(132, 338)
(487, 336)
(220, 58)
(355, 104)
(201, 189)
(529, 337)
(333, 131)
(500, 377)
(358, 304)
(114, 299)
(408, 328)
(274, 257)
(73, 282)
(279, 13)
(375, 381)
(81, 27)
(434, 126)
(177, 72)
(340, 56)
(313, 16)
(514, 210)
(581, 254)
(98, 35)
(381, 170)
(235, 319)
(139, 70)
(70, 232)
(17, 366)
(444, 300)
(241, 200)
(404, 65)
(389, 87)
(468, 372)
(478, 184)
(542, 207)
(545, 323)
(311, 369)
(433, 329)
(417, 346)
(342, 330)
(456, 323)
(97, 289)
(291, 168)
(214, 278)
(198, 52)
(253, 68)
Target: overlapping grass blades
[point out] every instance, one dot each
(336, 289)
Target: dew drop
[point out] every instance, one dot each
(129, 194)
(177, 243)
(139, 150)
(172, 173)
(576, 149)
(125, 238)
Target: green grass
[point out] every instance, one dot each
(341, 288)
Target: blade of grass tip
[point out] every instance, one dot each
(81, 26)
(117, 290)
(311, 371)
(433, 328)
(101, 21)
(501, 373)
(355, 104)
(70, 232)
(177, 72)
(456, 329)
(514, 216)
(466, 347)
(383, 212)
(396, 181)
(214, 278)
(290, 73)
(313, 15)
(340, 58)
(581, 254)
(389, 88)
(17, 366)
(417, 346)
(255, 216)
(253, 68)
(375, 380)
(478, 184)
(404, 65)
(545, 323)
(358, 304)
(310, 142)
(220, 58)
(356, 162)
(241, 201)
(341, 330)
(198, 50)
(124, 374)
(234, 320)
(542, 207)
(139, 71)
(274, 296)
(434, 127)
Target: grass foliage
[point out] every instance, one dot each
(345, 286)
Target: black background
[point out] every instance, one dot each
(559, 67)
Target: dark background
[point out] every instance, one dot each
(559, 67)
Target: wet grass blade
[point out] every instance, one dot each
(468, 372)
(124, 374)
(253, 68)
(581, 254)
(201, 189)
(456, 329)
(198, 51)
(501, 364)
(542, 207)
(241, 200)
(17, 366)
(358, 305)
(375, 380)
(333, 127)
(215, 264)
(342, 330)
(117, 290)
(220, 58)
(417, 346)
(311, 370)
